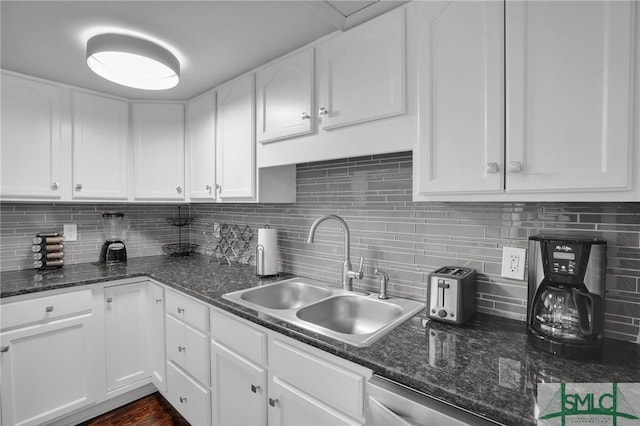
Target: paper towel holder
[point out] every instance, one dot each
(260, 261)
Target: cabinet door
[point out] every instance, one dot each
(127, 338)
(461, 58)
(290, 407)
(361, 73)
(47, 371)
(235, 141)
(31, 139)
(239, 389)
(201, 147)
(158, 131)
(284, 98)
(569, 91)
(100, 147)
(157, 332)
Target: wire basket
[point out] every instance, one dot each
(179, 249)
(179, 221)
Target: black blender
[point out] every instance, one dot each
(565, 311)
(115, 226)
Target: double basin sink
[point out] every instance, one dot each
(348, 316)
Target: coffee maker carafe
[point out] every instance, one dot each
(565, 310)
(115, 226)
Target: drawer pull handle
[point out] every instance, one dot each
(109, 299)
(181, 348)
(4, 349)
(158, 300)
(255, 388)
(180, 310)
(183, 399)
(48, 309)
(273, 402)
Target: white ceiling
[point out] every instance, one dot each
(214, 40)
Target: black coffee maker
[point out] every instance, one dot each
(565, 310)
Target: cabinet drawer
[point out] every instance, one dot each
(242, 338)
(45, 308)
(330, 383)
(188, 348)
(187, 396)
(187, 310)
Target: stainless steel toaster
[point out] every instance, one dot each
(451, 294)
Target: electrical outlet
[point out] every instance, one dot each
(70, 232)
(513, 261)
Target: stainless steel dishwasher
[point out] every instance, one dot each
(390, 403)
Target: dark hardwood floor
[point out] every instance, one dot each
(152, 410)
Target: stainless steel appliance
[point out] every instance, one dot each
(565, 310)
(114, 226)
(451, 294)
(390, 403)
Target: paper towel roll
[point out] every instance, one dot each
(267, 252)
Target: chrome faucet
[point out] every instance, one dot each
(347, 274)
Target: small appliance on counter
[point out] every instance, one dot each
(451, 294)
(48, 250)
(267, 252)
(565, 310)
(114, 226)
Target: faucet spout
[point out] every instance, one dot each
(347, 273)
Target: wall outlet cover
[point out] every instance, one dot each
(70, 232)
(513, 262)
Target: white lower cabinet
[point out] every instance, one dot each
(46, 357)
(188, 396)
(157, 331)
(187, 348)
(239, 389)
(127, 338)
(298, 385)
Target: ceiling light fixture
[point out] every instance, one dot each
(132, 62)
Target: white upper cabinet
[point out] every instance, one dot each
(158, 137)
(361, 73)
(100, 147)
(569, 95)
(284, 98)
(460, 59)
(201, 147)
(31, 139)
(570, 72)
(235, 141)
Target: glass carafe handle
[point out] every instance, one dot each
(585, 310)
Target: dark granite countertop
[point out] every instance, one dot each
(485, 366)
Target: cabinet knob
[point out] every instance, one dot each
(48, 309)
(183, 399)
(323, 111)
(255, 388)
(208, 188)
(514, 167)
(180, 310)
(158, 300)
(4, 349)
(305, 116)
(218, 187)
(55, 185)
(109, 299)
(179, 189)
(181, 348)
(78, 187)
(493, 168)
(273, 402)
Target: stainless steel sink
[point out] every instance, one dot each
(350, 314)
(285, 295)
(350, 317)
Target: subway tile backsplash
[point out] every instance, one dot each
(407, 239)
